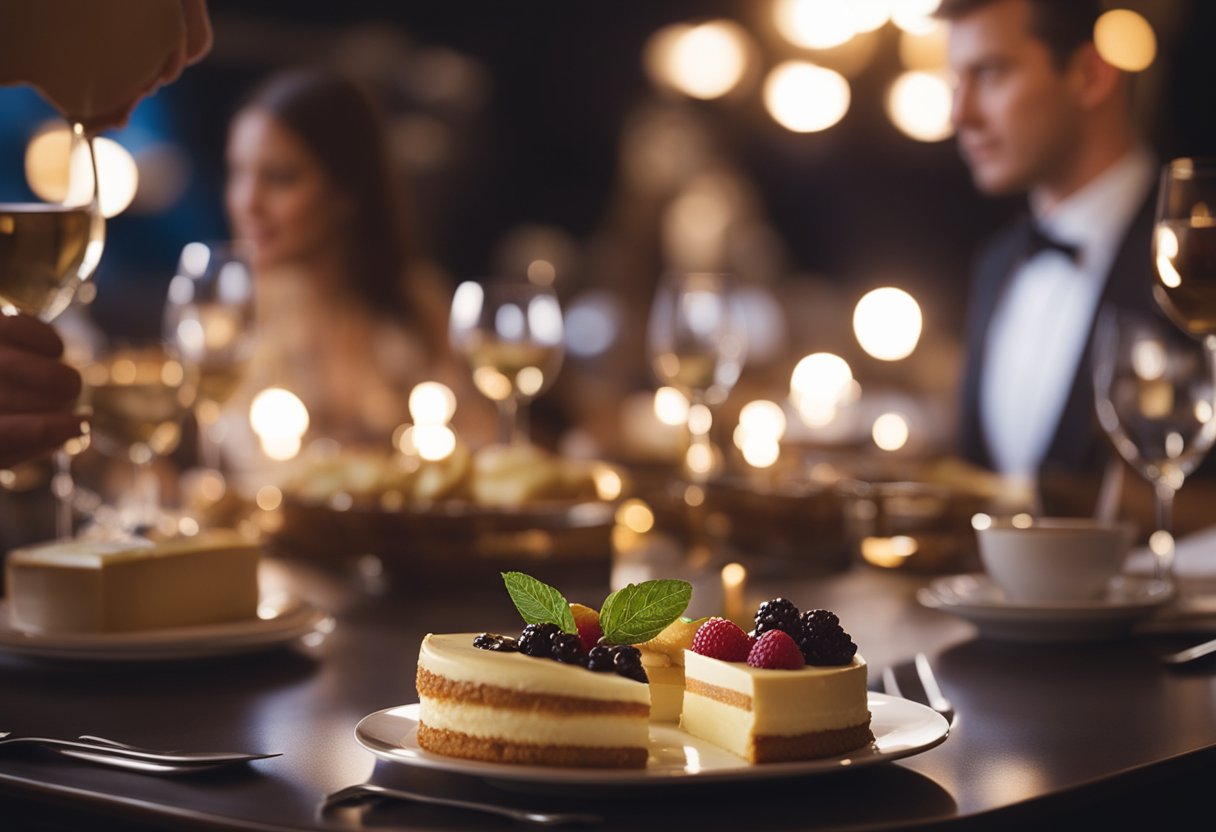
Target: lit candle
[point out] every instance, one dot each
(734, 586)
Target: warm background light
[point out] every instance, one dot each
(47, 170)
(887, 323)
(1125, 39)
(919, 103)
(820, 383)
(806, 98)
(670, 406)
(924, 50)
(814, 24)
(890, 431)
(432, 403)
(279, 419)
(914, 16)
(705, 61)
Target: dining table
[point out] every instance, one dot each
(1099, 732)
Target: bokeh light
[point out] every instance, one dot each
(279, 419)
(890, 431)
(56, 175)
(821, 383)
(1125, 40)
(919, 104)
(887, 323)
(814, 24)
(806, 98)
(432, 403)
(670, 406)
(705, 61)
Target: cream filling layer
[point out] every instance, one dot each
(535, 727)
(453, 656)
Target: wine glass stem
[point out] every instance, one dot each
(208, 448)
(512, 422)
(147, 493)
(64, 489)
(1163, 548)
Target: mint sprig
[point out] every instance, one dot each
(639, 612)
(538, 602)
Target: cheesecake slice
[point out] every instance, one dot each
(766, 715)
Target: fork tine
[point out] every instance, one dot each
(889, 685)
(937, 701)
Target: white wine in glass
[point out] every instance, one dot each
(1184, 245)
(48, 250)
(209, 317)
(139, 396)
(696, 344)
(512, 336)
(1155, 393)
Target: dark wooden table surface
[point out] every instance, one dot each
(1044, 734)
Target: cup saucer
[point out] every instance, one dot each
(977, 599)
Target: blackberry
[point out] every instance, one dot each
(822, 640)
(627, 662)
(776, 614)
(497, 643)
(568, 649)
(536, 640)
(600, 659)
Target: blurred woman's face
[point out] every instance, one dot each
(280, 201)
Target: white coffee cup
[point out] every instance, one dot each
(1052, 558)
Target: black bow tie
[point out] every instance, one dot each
(1038, 240)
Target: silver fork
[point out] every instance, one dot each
(366, 791)
(928, 682)
(99, 746)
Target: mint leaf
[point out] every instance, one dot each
(639, 612)
(538, 602)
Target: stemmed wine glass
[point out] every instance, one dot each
(511, 333)
(139, 394)
(1155, 392)
(49, 250)
(696, 344)
(1184, 245)
(209, 319)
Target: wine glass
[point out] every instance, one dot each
(49, 250)
(696, 344)
(1184, 245)
(1155, 393)
(511, 333)
(209, 318)
(139, 394)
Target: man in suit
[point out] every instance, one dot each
(1038, 111)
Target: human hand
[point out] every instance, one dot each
(38, 392)
(96, 61)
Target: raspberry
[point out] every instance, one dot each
(776, 651)
(721, 639)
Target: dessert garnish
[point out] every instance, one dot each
(815, 634)
(574, 633)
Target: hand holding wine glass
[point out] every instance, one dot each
(511, 334)
(1155, 392)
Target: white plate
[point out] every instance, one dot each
(280, 621)
(901, 729)
(975, 598)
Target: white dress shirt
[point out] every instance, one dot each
(1039, 330)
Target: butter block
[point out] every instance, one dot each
(84, 586)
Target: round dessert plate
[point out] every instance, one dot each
(977, 599)
(901, 728)
(279, 622)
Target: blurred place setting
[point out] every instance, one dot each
(898, 315)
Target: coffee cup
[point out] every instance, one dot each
(1052, 558)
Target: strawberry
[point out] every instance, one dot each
(776, 651)
(588, 622)
(719, 638)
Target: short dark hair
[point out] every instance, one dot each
(1062, 25)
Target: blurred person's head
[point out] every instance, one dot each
(1036, 107)
(309, 181)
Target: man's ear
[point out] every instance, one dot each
(1095, 81)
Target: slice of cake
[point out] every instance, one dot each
(663, 661)
(783, 696)
(507, 707)
(89, 586)
(570, 691)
